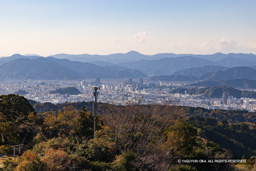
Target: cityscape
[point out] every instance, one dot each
(131, 85)
(123, 92)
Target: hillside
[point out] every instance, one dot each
(164, 133)
(199, 71)
(216, 92)
(231, 73)
(235, 83)
(66, 90)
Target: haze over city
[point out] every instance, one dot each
(149, 27)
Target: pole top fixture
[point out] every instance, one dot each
(95, 88)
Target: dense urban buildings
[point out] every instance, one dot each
(122, 92)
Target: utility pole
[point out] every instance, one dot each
(95, 108)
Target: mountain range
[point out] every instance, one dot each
(133, 56)
(50, 68)
(166, 66)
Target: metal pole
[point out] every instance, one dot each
(14, 150)
(95, 93)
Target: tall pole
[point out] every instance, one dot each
(95, 108)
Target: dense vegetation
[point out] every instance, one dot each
(134, 137)
(233, 116)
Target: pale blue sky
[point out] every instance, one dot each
(47, 27)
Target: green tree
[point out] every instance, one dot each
(182, 138)
(84, 124)
(15, 108)
(15, 123)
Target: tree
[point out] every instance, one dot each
(15, 108)
(15, 124)
(84, 124)
(182, 138)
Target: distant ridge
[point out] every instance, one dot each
(16, 56)
(134, 63)
(136, 56)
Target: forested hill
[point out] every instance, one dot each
(133, 137)
(233, 116)
(216, 92)
(66, 90)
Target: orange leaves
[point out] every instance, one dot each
(55, 159)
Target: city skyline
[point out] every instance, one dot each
(105, 27)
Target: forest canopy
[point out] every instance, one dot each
(133, 137)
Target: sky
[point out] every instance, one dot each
(47, 27)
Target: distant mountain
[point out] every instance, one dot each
(199, 71)
(220, 56)
(216, 92)
(55, 69)
(112, 58)
(236, 83)
(234, 62)
(16, 56)
(66, 90)
(231, 73)
(154, 65)
(166, 66)
(88, 70)
(39, 68)
(136, 56)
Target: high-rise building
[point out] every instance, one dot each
(129, 81)
(96, 82)
(82, 83)
(225, 98)
(141, 84)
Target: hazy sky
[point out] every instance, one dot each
(47, 27)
